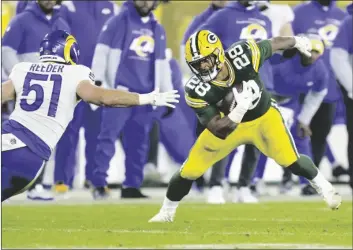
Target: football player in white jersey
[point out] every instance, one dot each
(46, 94)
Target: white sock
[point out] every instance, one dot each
(170, 205)
(321, 182)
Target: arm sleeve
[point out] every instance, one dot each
(205, 114)
(203, 110)
(85, 74)
(343, 39)
(163, 73)
(107, 54)
(260, 51)
(341, 66)
(11, 43)
(311, 104)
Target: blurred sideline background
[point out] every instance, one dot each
(176, 18)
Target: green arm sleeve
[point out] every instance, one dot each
(206, 114)
(260, 51)
(265, 49)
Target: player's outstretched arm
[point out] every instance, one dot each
(303, 44)
(119, 98)
(8, 92)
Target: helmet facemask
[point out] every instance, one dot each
(209, 74)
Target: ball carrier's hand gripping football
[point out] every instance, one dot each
(160, 99)
(303, 44)
(244, 101)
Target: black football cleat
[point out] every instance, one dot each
(101, 193)
(308, 190)
(132, 193)
(339, 171)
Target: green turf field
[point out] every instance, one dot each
(264, 225)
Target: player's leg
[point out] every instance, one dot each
(65, 152)
(112, 122)
(20, 167)
(92, 124)
(207, 150)
(276, 141)
(176, 135)
(320, 127)
(136, 144)
(349, 120)
(303, 146)
(249, 162)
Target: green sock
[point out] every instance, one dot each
(304, 167)
(178, 187)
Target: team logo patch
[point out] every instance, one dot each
(13, 141)
(212, 38)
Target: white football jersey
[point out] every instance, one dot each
(46, 97)
(279, 14)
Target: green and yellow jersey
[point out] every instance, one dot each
(243, 60)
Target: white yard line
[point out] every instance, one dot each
(123, 231)
(256, 245)
(215, 246)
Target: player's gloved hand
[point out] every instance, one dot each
(160, 99)
(244, 101)
(303, 44)
(303, 130)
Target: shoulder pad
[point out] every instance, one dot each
(191, 97)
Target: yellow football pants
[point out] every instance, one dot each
(268, 133)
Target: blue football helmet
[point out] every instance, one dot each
(59, 46)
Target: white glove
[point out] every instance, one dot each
(303, 44)
(160, 99)
(244, 101)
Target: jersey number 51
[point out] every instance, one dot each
(39, 92)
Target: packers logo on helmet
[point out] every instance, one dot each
(204, 54)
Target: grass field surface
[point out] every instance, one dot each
(265, 225)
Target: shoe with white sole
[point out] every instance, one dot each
(244, 195)
(40, 193)
(329, 194)
(215, 195)
(164, 216)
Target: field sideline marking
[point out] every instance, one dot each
(71, 230)
(216, 246)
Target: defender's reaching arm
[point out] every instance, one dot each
(303, 44)
(8, 92)
(118, 98)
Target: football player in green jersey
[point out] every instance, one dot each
(229, 99)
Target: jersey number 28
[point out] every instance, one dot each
(240, 60)
(38, 90)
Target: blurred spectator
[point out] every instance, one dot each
(341, 61)
(86, 19)
(130, 54)
(321, 17)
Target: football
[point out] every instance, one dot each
(228, 103)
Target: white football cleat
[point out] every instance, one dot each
(215, 195)
(40, 193)
(244, 195)
(163, 216)
(330, 195)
